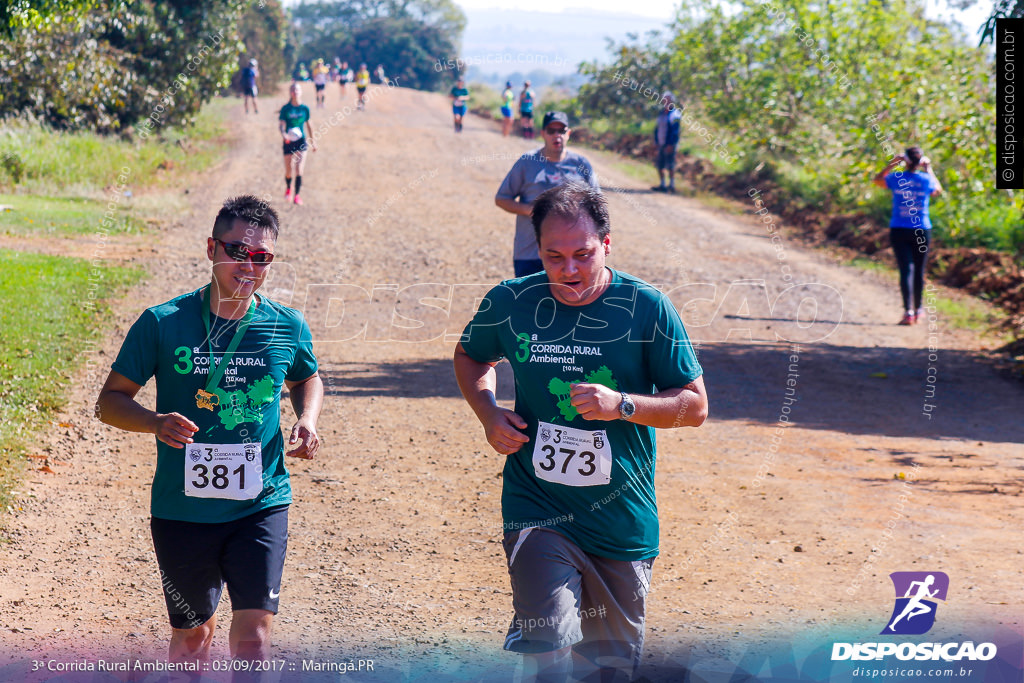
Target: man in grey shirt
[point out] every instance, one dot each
(550, 166)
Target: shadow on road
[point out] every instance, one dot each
(856, 390)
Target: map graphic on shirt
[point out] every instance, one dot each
(560, 388)
(241, 406)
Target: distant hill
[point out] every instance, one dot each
(501, 43)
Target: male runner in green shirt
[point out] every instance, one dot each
(220, 496)
(600, 359)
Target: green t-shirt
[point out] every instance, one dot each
(509, 97)
(295, 117)
(460, 92)
(169, 342)
(630, 339)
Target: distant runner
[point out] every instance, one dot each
(220, 496)
(550, 166)
(526, 111)
(345, 77)
(293, 122)
(459, 96)
(320, 72)
(508, 98)
(249, 91)
(362, 82)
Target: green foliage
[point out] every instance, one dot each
(114, 64)
(819, 96)
(411, 38)
(19, 14)
(51, 308)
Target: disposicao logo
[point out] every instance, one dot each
(917, 594)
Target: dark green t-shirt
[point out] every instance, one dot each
(460, 92)
(295, 117)
(169, 342)
(630, 339)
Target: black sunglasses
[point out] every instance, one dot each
(240, 252)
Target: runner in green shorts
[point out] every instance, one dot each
(600, 360)
(221, 356)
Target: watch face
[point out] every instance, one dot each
(627, 408)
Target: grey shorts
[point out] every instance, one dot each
(666, 160)
(564, 596)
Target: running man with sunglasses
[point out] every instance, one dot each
(221, 356)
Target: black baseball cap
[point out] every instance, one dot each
(555, 117)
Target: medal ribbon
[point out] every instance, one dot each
(243, 324)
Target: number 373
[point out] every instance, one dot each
(549, 463)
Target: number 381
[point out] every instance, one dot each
(220, 479)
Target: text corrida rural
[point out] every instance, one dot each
(107, 665)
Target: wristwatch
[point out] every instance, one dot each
(627, 407)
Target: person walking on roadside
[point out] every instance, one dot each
(526, 111)
(460, 96)
(910, 226)
(508, 98)
(250, 75)
(293, 122)
(578, 504)
(550, 166)
(666, 137)
(221, 356)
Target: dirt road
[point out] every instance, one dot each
(769, 532)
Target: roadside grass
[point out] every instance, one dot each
(57, 216)
(51, 309)
(36, 160)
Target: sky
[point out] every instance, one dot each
(972, 18)
(555, 35)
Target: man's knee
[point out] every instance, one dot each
(252, 629)
(192, 641)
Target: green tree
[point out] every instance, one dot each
(263, 30)
(109, 65)
(818, 96)
(408, 37)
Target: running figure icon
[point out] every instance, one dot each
(917, 606)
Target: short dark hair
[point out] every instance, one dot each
(248, 209)
(569, 202)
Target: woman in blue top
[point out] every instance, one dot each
(910, 227)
